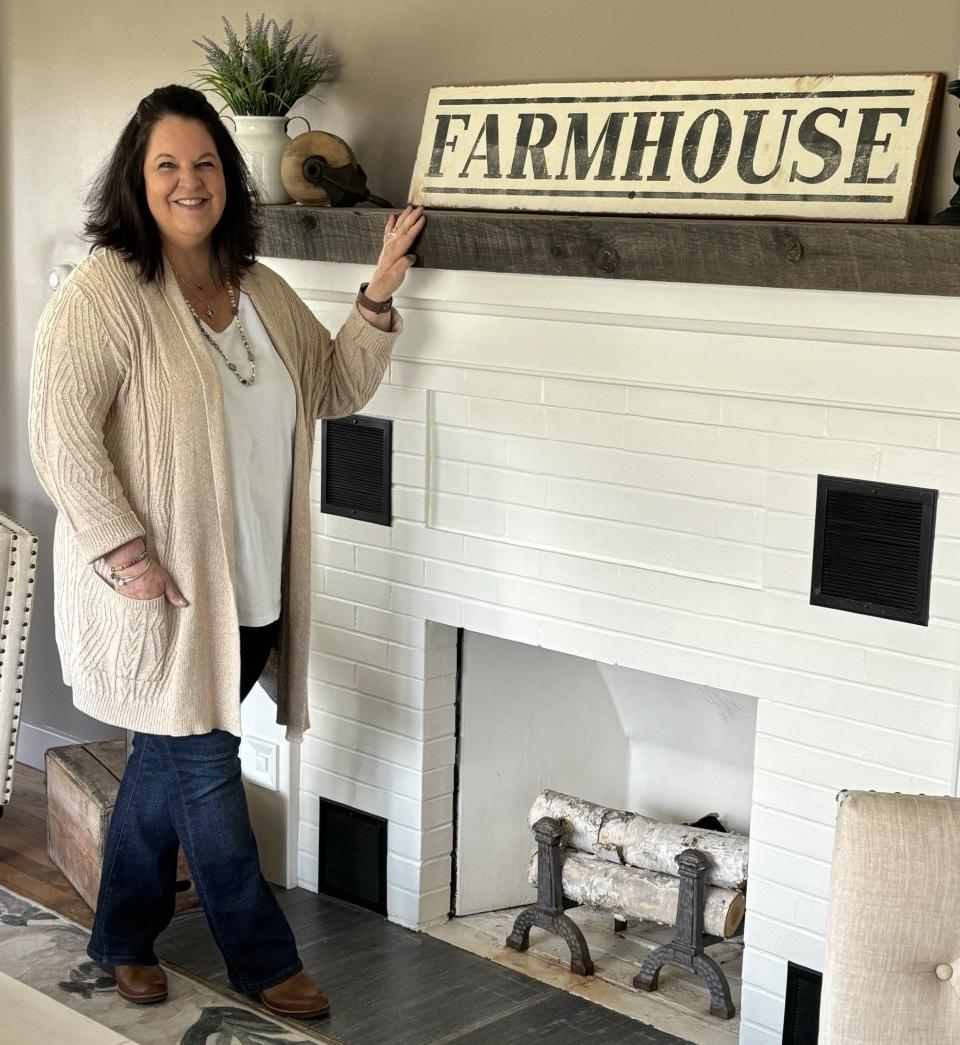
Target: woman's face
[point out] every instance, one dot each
(184, 182)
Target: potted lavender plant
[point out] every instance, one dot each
(260, 77)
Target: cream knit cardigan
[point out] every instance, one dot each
(127, 437)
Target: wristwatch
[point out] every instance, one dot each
(375, 306)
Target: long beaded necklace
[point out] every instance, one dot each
(243, 337)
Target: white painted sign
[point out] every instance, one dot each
(837, 147)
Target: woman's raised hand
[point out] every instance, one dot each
(395, 258)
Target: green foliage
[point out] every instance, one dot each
(264, 73)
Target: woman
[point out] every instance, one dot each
(174, 391)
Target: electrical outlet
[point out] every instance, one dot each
(260, 762)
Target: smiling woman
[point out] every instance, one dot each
(123, 203)
(186, 192)
(181, 159)
(177, 450)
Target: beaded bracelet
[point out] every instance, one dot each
(127, 565)
(119, 582)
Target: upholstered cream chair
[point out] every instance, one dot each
(892, 968)
(18, 563)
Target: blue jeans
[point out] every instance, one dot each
(187, 791)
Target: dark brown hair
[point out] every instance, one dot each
(119, 217)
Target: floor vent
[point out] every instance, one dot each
(872, 550)
(355, 468)
(801, 1013)
(353, 856)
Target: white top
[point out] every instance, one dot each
(260, 419)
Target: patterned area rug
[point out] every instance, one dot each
(48, 952)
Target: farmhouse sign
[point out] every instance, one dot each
(840, 147)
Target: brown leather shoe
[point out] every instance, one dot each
(297, 996)
(141, 983)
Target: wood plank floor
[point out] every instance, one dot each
(388, 986)
(24, 865)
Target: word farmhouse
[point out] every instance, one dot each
(811, 147)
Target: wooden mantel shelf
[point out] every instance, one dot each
(886, 258)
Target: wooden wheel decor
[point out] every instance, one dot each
(320, 170)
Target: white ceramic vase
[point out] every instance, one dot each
(261, 141)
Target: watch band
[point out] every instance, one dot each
(375, 306)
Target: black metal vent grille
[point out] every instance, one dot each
(355, 468)
(801, 1013)
(353, 856)
(873, 547)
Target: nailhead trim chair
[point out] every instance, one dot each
(18, 563)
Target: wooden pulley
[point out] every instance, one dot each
(320, 169)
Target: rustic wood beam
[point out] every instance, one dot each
(885, 258)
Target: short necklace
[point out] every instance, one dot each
(243, 337)
(210, 310)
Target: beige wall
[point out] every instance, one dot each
(72, 74)
(7, 347)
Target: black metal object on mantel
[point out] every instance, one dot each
(688, 942)
(951, 214)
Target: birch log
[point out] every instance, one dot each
(641, 841)
(635, 892)
(650, 844)
(581, 820)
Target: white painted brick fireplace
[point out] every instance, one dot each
(626, 471)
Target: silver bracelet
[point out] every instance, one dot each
(119, 582)
(127, 565)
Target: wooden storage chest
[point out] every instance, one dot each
(82, 785)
